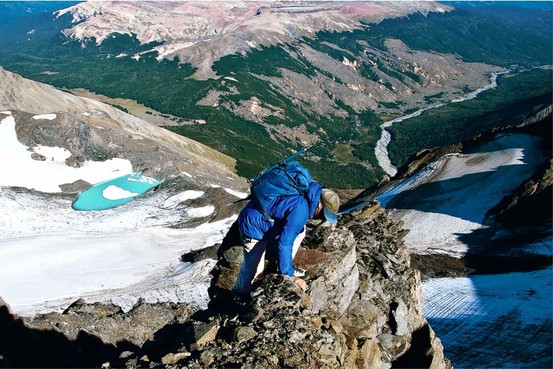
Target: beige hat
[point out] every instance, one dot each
(331, 203)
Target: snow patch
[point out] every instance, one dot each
(200, 212)
(122, 262)
(240, 195)
(21, 170)
(58, 154)
(54, 255)
(112, 192)
(179, 198)
(45, 116)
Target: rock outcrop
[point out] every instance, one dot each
(363, 309)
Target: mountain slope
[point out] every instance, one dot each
(55, 144)
(287, 84)
(119, 285)
(53, 255)
(95, 131)
(200, 33)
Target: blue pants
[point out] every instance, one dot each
(249, 268)
(254, 262)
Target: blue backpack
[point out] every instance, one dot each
(282, 179)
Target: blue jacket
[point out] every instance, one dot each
(290, 215)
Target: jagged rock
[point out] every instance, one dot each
(80, 307)
(110, 324)
(230, 255)
(203, 333)
(340, 274)
(363, 307)
(531, 203)
(244, 334)
(171, 358)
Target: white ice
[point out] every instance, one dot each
(450, 197)
(48, 175)
(499, 321)
(53, 255)
(45, 116)
(113, 192)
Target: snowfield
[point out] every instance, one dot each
(47, 175)
(493, 321)
(449, 198)
(483, 321)
(53, 255)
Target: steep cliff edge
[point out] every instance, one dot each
(363, 309)
(454, 185)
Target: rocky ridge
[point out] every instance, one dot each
(363, 308)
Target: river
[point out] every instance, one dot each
(381, 149)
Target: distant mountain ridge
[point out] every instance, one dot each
(202, 32)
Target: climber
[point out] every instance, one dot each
(281, 234)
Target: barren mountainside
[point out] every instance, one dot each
(91, 130)
(203, 32)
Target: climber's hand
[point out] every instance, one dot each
(300, 282)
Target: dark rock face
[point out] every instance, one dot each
(84, 335)
(532, 200)
(362, 310)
